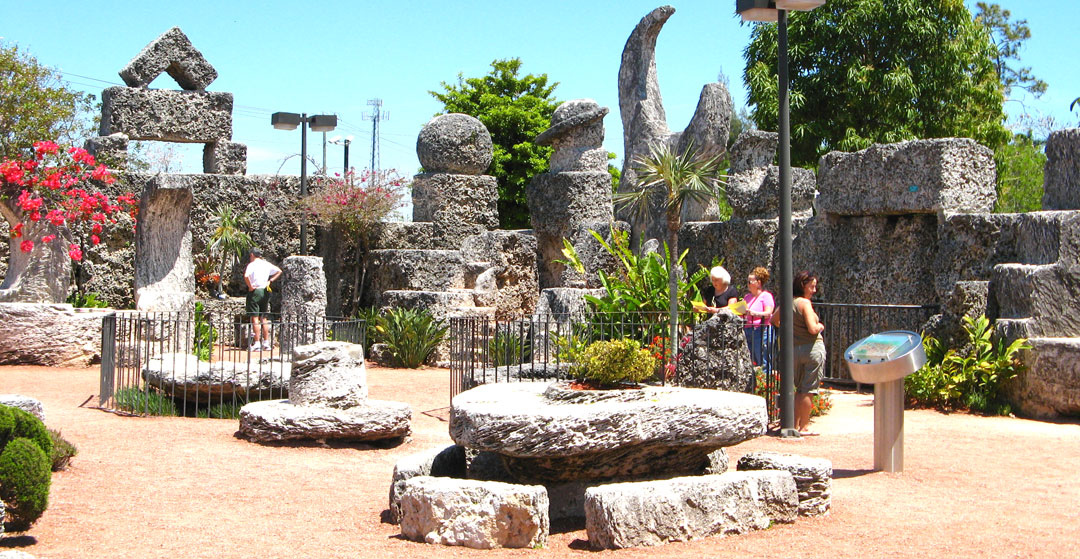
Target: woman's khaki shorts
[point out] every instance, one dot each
(809, 366)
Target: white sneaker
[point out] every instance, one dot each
(257, 346)
(268, 346)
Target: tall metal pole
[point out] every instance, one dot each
(323, 171)
(787, 276)
(346, 171)
(303, 181)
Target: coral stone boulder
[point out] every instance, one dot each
(330, 374)
(454, 143)
(552, 433)
(719, 357)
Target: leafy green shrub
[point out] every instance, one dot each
(569, 349)
(370, 316)
(25, 476)
(150, 402)
(609, 362)
(205, 334)
(223, 410)
(86, 301)
(509, 347)
(26, 425)
(62, 451)
(410, 336)
(971, 377)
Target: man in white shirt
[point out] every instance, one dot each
(258, 276)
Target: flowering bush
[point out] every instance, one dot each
(49, 190)
(358, 203)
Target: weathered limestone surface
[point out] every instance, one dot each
(27, 404)
(753, 148)
(396, 234)
(443, 461)
(549, 433)
(458, 205)
(650, 513)
(164, 270)
(560, 203)
(454, 143)
(330, 374)
(563, 304)
(49, 334)
(719, 357)
(42, 275)
(577, 136)
(225, 158)
(755, 193)
(594, 257)
(476, 514)
(509, 280)
(645, 122)
(166, 115)
(279, 420)
(303, 288)
(918, 176)
(110, 150)
(172, 52)
(1050, 387)
(1061, 177)
(813, 477)
(183, 376)
(420, 270)
(742, 244)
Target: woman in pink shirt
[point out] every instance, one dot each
(759, 307)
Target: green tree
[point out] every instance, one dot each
(229, 240)
(865, 71)
(36, 105)
(515, 110)
(1008, 38)
(675, 178)
(1019, 175)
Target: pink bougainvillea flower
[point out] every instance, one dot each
(56, 217)
(42, 148)
(16, 231)
(95, 239)
(75, 252)
(96, 228)
(48, 238)
(26, 246)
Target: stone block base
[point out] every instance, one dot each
(278, 420)
(1050, 387)
(813, 477)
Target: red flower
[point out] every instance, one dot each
(94, 239)
(26, 246)
(42, 148)
(75, 252)
(96, 228)
(48, 238)
(16, 231)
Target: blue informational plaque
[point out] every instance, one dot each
(885, 357)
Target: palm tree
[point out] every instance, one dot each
(666, 180)
(229, 239)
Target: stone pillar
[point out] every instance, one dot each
(164, 269)
(303, 302)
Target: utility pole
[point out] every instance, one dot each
(375, 115)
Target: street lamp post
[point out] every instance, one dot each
(776, 10)
(339, 141)
(317, 123)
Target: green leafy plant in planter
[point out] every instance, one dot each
(410, 336)
(970, 377)
(509, 346)
(25, 468)
(612, 363)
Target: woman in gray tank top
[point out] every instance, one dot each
(809, 348)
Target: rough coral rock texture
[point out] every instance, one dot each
(172, 53)
(559, 204)
(509, 259)
(225, 158)
(110, 150)
(1050, 386)
(396, 234)
(280, 420)
(755, 193)
(740, 243)
(443, 461)
(917, 176)
(813, 477)
(454, 143)
(458, 205)
(184, 377)
(167, 116)
(1061, 176)
(49, 334)
(645, 122)
(164, 269)
(476, 514)
(593, 256)
(551, 433)
(27, 404)
(330, 374)
(418, 270)
(753, 148)
(718, 357)
(576, 136)
(650, 513)
(303, 288)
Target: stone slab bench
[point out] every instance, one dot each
(813, 477)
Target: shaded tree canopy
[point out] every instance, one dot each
(515, 109)
(866, 71)
(36, 105)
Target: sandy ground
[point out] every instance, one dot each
(186, 488)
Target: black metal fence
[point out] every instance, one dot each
(544, 347)
(202, 364)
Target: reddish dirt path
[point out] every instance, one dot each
(180, 488)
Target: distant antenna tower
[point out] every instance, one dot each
(375, 116)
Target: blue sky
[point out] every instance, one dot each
(333, 56)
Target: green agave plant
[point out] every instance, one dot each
(410, 336)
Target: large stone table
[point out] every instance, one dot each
(548, 432)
